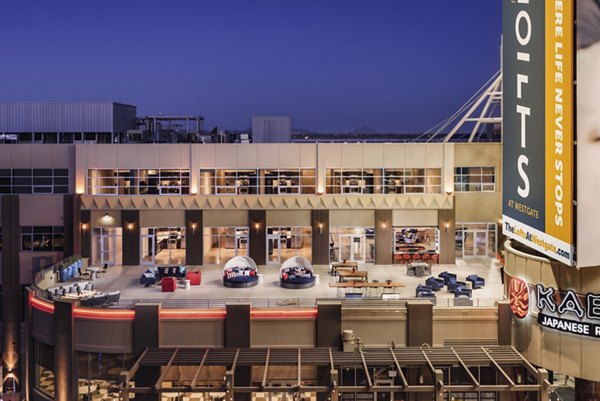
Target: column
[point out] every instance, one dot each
(447, 227)
(193, 237)
(320, 237)
(11, 288)
(504, 323)
(146, 334)
(65, 356)
(68, 226)
(384, 251)
(85, 218)
(257, 226)
(586, 390)
(419, 323)
(329, 334)
(130, 222)
(238, 335)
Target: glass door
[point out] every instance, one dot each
(274, 248)
(148, 249)
(352, 247)
(475, 243)
(241, 241)
(107, 248)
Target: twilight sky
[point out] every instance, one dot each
(333, 65)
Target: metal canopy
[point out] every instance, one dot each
(399, 361)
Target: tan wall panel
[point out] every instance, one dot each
(352, 218)
(448, 171)
(106, 157)
(268, 154)
(206, 155)
(372, 155)
(590, 277)
(352, 156)
(478, 155)
(162, 218)
(41, 210)
(42, 157)
(377, 331)
(308, 155)
(464, 323)
(103, 336)
(225, 218)
(20, 156)
(225, 156)
(393, 156)
(173, 156)
(435, 155)
(415, 155)
(289, 156)
(478, 207)
(414, 218)
(283, 218)
(570, 354)
(246, 156)
(64, 155)
(128, 156)
(193, 333)
(330, 155)
(278, 333)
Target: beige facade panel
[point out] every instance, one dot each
(129, 156)
(352, 218)
(268, 154)
(479, 154)
(372, 156)
(393, 156)
(308, 155)
(291, 218)
(352, 155)
(474, 207)
(283, 333)
(289, 156)
(41, 210)
(246, 156)
(206, 155)
(162, 218)
(20, 156)
(414, 218)
(192, 333)
(222, 218)
(478, 325)
(95, 335)
(330, 155)
(376, 327)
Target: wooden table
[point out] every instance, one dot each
(335, 266)
(353, 275)
(377, 286)
(418, 269)
(93, 272)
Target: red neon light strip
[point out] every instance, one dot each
(193, 314)
(106, 314)
(283, 314)
(44, 306)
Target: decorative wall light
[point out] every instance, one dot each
(320, 228)
(256, 226)
(447, 228)
(449, 192)
(84, 227)
(194, 225)
(384, 226)
(130, 227)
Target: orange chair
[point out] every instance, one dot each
(435, 258)
(406, 257)
(416, 256)
(425, 257)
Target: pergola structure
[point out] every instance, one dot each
(435, 370)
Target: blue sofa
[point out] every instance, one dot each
(477, 281)
(435, 284)
(462, 292)
(447, 276)
(240, 278)
(423, 291)
(454, 285)
(297, 278)
(171, 271)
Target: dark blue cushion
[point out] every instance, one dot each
(241, 279)
(300, 280)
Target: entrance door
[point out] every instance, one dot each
(241, 241)
(352, 247)
(274, 248)
(148, 249)
(475, 243)
(107, 248)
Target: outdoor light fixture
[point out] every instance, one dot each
(106, 216)
(449, 192)
(384, 226)
(447, 227)
(194, 225)
(257, 226)
(320, 228)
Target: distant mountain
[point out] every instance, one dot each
(364, 130)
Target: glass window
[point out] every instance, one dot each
(223, 243)
(42, 238)
(388, 181)
(134, 182)
(475, 179)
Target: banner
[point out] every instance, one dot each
(537, 107)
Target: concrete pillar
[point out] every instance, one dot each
(257, 227)
(384, 251)
(146, 333)
(193, 237)
(320, 237)
(68, 226)
(130, 222)
(11, 290)
(85, 245)
(419, 323)
(329, 334)
(238, 335)
(447, 227)
(65, 356)
(504, 323)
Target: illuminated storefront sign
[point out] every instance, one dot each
(538, 125)
(566, 312)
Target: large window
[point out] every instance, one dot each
(34, 181)
(286, 242)
(475, 179)
(42, 239)
(388, 181)
(223, 243)
(138, 182)
(254, 182)
(352, 243)
(476, 240)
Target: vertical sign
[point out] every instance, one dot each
(538, 125)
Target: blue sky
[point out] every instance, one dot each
(334, 66)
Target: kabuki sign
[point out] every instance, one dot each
(567, 312)
(537, 125)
